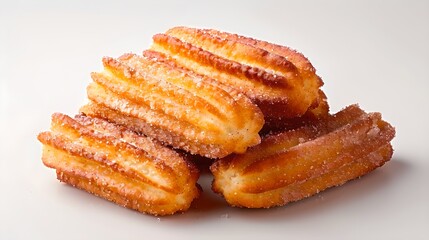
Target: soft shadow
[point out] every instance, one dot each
(211, 206)
(207, 205)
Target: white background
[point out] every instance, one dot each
(374, 53)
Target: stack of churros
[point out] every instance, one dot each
(255, 108)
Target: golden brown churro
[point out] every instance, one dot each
(119, 165)
(174, 105)
(299, 163)
(281, 81)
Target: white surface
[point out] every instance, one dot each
(371, 52)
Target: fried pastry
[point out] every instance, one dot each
(174, 105)
(119, 165)
(201, 98)
(281, 81)
(299, 163)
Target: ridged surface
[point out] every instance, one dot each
(281, 81)
(312, 115)
(174, 105)
(299, 163)
(119, 165)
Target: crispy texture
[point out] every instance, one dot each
(299, 163)
(281, 81)
(174, 105)
(312, 115)
(119, 165)
(209, 94)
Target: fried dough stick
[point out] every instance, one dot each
(299, 163)
(174, 105)
(119, 165)
(282, 82)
